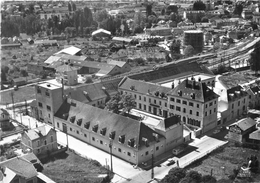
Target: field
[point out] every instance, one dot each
(224, 160)
(22, 94)
(70, 167)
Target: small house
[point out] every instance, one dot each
(41, 141)
(240, 130)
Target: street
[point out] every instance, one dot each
(124, 171)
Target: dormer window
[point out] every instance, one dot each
(103, 131)
(65, 116)
(156, 137)
(179, 92)
(132, 87)
(192, 96)
(87, 125)
(121, 139)
(95, 128)
(145, 140)
(112, 135)
(131, 142)
(79, 122)
(72, 119)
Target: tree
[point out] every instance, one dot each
(189, 51)
(199, 5)
(139, 20)
(9, 29)
(69, 7)
(24, 73)
(74, 6)
(254, 58)
(126, 102)
(208, 179)
(179, 173)
(114, 104)
(175, 46)
(204, 19)
(238, 9)
(192, 176)
(171, 9)
(3, 75)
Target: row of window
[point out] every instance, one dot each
(45, 142)
(238, 103)
(178, 108)
(184, 102)
(46, 92)
(47, 106)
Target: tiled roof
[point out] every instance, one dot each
(93, 91)
(20, 166)
(255, 135)
(65, 68)
(111, 122)
(38, 132)
(141, 86)
(245, 123)
(187, 88)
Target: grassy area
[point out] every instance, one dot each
(224, 160)
(22, 94)
(70, 167)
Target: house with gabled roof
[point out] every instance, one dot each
(240, 130)
(129, 139)
(17, 169)
(41, 141)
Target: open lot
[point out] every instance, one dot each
(70, 167)
(22, 94)
(224, 160)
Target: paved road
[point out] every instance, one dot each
(125, 171)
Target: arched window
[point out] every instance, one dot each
(184, 119)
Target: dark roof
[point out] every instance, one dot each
(122, 126)
(171, 70)
(93, 91)
(244, 124)
(236, 92)
(20, 166)
(141, 86)
(20, 79)
(168, 122)
(255, 89)
(200, 90)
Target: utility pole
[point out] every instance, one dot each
(26, 110)
(110, 146)
(152, 174)
(12, 96)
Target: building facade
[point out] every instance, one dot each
(195, 103)
(124, 137)
(41, 141)
(49, 98)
